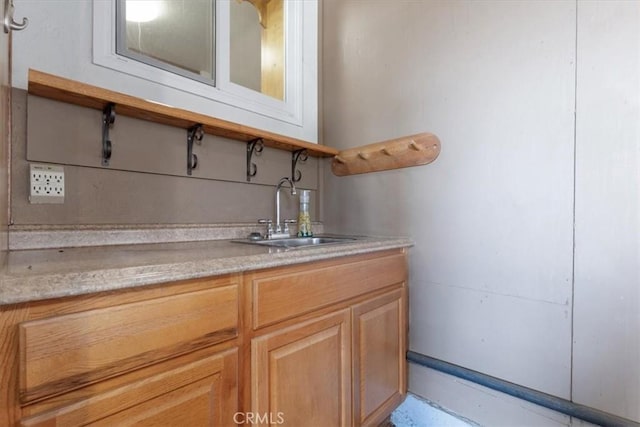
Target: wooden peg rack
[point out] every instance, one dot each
(414, 150)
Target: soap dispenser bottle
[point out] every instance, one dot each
(304, 220)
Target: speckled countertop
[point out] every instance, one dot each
(38, 274)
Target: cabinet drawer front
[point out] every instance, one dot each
(61, 353)
(203, 392)
(277, 297)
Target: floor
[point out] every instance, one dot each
(416, 412)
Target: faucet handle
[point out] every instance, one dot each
(269, 227)
(286, 224)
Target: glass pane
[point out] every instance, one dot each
(245, 39)
(179, 33)
(257, 45)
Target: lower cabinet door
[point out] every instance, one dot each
(379, 353)
(301, 375)
(201, 393)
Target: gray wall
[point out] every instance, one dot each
(492, 281)
(146, 182)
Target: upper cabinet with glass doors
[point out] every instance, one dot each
(249, 49)
(252, 62)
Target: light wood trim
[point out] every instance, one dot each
(74, 92)
(414, 150)
(215, 373)
(282, 293)
(65, 352)
(379, 343)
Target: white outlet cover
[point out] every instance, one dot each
(46, 183)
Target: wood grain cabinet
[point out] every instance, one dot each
(379, 349)
(302, 374)
(328, 341)
(165, 355)
(315, 344)
(200, 393)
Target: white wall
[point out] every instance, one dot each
(606, 371)
(5, 135)
(491, 273)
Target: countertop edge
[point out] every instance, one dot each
(18, 289)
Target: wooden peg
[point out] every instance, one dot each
(385, 151)
(363, 156)
(414, 146)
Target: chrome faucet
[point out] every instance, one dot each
(282, 231)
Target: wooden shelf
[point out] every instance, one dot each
(61, 89)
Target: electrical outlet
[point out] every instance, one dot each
(46, 183)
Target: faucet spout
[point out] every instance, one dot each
(278, 228)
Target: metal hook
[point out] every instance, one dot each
(108, 118)
(9, 22)
(298, 155)
(194, 133)
(253, 146)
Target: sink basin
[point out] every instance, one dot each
(298, 242)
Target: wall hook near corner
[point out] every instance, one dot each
(108, 118)
(9, 23)
(194, 134)
(254, 146)
(297, 156)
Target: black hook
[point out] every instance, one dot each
(253, 146)
(298, 155)
(194, 133)
(108, 118)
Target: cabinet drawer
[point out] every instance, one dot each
(286, 293)
(200, 393)
(65, 352)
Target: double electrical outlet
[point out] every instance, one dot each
(46, 183)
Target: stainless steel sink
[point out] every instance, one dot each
(298, 242)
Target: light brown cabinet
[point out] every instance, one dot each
(302, 374)
(379, 349)
(328, 341)
(321, 343)
(163, 355)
